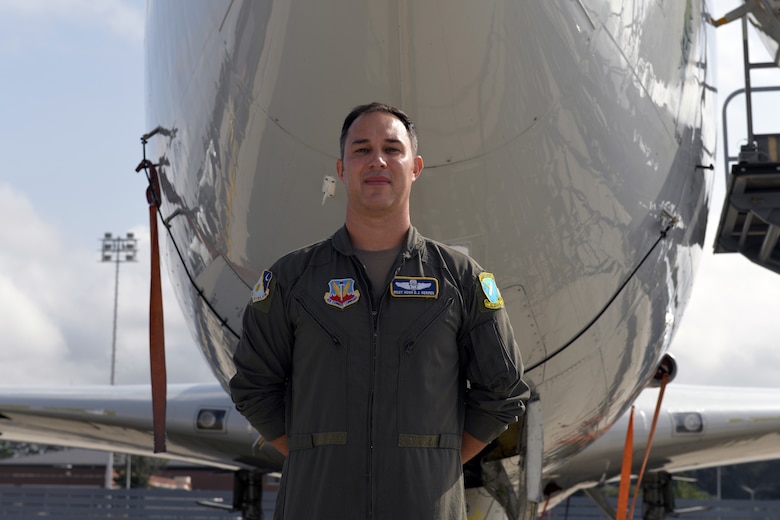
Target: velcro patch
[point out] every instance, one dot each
(414, 287)
(342, 293)
(262, 291)
(493, 299)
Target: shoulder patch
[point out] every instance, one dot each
(342, 293)
(414, 287)
(493, 299)
(263, 291)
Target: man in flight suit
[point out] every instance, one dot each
(378, 361)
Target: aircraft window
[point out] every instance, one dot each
(210, 419)
(688, 422)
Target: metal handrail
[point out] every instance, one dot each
(728, 159)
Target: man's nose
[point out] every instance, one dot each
(378, 160)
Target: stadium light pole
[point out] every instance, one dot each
(118, 250)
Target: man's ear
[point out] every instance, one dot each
(418, 166)
(340, 169)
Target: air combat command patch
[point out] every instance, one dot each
(493, 299)
(342, 293)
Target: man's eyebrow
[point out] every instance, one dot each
(387, 140)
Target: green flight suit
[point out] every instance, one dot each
(374, 401)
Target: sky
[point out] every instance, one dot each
(71, 117)
(72, 112)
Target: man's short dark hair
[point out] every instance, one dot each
(378, 107)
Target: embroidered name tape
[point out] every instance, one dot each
(414, 287)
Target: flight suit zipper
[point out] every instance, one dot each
(374, 315)
(372, 382)
(373, 325)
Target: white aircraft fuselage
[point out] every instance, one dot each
(560, 138)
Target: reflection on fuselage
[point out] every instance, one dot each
(556, 135)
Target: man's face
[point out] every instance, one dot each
(378, 167)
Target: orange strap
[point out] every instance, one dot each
(156, 328)
(544, 509)
(664, 380)
(625, 470)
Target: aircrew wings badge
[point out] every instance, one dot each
(414, 287)
(342, 293)
(493, 299)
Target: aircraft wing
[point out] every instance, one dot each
(203, 426)
(698, 427)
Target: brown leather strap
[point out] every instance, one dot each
(156, 326)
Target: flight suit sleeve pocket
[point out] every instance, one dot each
(496, 391)
(491, 366)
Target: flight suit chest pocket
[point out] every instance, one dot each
(318, 394)
(311, 324)
(429, 373)
(435, 316)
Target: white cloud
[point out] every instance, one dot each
(25, 325)
(34, 236)
(56, 309)
(728, 332)
(123, 18)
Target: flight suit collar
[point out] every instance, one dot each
(414, 243)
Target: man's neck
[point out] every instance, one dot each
(377, 234)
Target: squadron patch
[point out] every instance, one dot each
(414, 287)
(342, 293)
(262, 291)
(493, 299)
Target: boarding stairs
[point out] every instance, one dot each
(750, 218)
